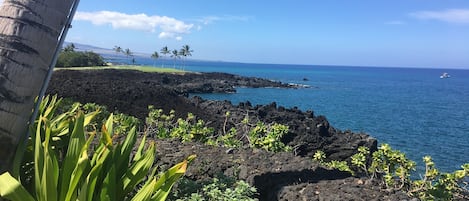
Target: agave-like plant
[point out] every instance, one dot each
(57, 164)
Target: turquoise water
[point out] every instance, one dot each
(411, 109)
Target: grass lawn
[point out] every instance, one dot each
(149, 69)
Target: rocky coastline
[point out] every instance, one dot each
(277, 176)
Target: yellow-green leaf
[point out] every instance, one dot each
(11, 189)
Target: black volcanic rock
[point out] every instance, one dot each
(307, 133)
(277, 176)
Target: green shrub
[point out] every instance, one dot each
(79, 59)
(57, 164)
(223, 188)
(122, 122)
(435, 185)
(166, 126)
(260, 135)
(393, 168)
(394, 165)
(268, 137)
(320, 156)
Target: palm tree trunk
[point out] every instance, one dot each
(29, 35)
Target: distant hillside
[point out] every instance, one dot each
(100, 50)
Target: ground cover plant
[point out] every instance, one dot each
(259, 135)
(219, 188)
(394, 169)
(63, 161)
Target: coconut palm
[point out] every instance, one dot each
(31, 33)
(175, 56)
(69, 48)
(155, 56)
(117, 49)
(164, 51)
(185, 51)
(128, 54)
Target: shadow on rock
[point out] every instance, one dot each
(270, 184)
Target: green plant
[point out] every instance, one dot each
(226, 189)
(359, 159)
(191, 129)
(320, 156)
(122, 122)
(393, 168)
(262, 136)
(62, 162)
(159, 123)
(166, 126)
(394, 165)
(229, 139)
(268, 137)
(71, 58)
(436, 185)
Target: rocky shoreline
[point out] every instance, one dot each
(277, 176)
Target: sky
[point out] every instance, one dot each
(397, 33)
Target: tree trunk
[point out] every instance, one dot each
(29, 33)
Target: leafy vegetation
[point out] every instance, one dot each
(57, 164)
(393, 168)
(68, 57)
(81, 158)
(259, 135)
(223, 188)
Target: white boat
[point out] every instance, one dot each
(445, 75)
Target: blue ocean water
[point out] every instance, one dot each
(411, 109)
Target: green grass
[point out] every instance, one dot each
(148, 69)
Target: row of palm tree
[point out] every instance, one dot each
(127, 52)
(175, 54)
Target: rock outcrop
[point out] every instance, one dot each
(277, 176)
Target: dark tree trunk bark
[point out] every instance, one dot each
(29, 35)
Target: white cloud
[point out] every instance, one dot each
(460, 16)
(167, 26)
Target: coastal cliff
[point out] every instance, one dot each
(277, 176)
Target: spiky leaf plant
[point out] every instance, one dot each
(57, 164)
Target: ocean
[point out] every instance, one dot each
(413, 110)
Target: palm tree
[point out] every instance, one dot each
(117, 49)
(69, 48)
(32, 32)
(164, 51)
(175, 55)
(128, 54)
(185, 51)
(155, 56)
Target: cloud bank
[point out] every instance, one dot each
(458, 16)
(167, 27)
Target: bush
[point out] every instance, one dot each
(222, 188)
(393, 168)
(259, 135)
(79, 59)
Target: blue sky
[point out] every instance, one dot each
(400, 33)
